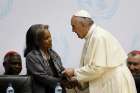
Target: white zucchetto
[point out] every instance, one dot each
(82, 13)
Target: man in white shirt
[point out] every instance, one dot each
(103, 67)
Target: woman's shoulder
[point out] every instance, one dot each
(53, 53)
(33, 53)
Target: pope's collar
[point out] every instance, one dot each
(90, 31)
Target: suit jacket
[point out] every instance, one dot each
(44, 78)
(137, 82)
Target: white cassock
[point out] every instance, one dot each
(103, 66)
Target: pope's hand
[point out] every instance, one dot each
(69, 72)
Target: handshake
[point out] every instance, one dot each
(68, 79)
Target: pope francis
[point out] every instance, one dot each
(103, 67)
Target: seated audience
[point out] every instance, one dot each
(12, 63)
(43, 63)
(133, 63)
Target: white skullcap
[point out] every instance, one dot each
(82, 13)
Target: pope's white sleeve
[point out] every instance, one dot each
(89, 72)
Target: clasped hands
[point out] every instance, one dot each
(70, 81)
(69, 72)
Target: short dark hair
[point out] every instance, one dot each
(10, 54)
(11, 60)
(33, 37)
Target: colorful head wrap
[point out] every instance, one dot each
(134, 56)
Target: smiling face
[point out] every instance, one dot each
(46, 40)
(133, 63)
(13, 64)
(78, 27)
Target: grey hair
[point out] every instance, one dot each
(85, 20)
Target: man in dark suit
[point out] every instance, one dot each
(133, 63)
